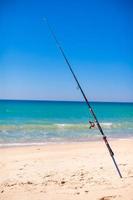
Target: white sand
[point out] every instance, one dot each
(66, 172)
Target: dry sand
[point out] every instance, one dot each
(66, 171)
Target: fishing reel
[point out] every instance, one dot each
(92, 124)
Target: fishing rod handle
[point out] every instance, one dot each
(108, 146)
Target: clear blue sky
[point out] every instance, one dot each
(97, 37)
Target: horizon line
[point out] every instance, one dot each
(55, 100)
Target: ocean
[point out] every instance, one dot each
(42, 122)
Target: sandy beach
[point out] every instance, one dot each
(66, 171)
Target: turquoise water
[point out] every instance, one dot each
(28, 122)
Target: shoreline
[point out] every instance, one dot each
(63, 142)
(67, 171)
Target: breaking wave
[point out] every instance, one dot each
(63, 126)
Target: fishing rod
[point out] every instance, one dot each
(85, 98)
